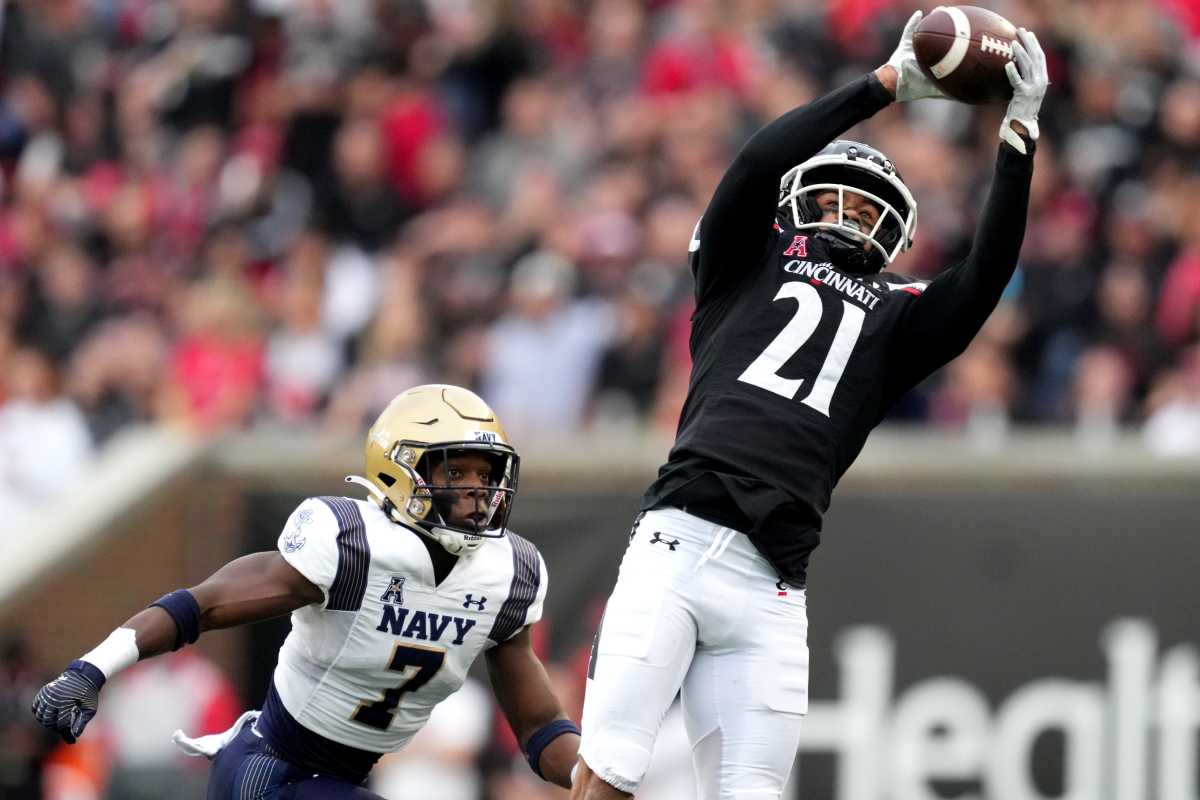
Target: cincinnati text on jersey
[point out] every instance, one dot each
(825, 273)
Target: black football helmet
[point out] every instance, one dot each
(844, 166)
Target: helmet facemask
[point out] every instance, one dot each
(869, 177)
(438, 500)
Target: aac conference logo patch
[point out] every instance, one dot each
(293, 537)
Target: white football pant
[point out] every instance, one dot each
(697, 608)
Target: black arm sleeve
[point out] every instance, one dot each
(941, 323)
(737, 225)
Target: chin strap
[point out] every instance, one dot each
(455, 543)
(389, 508)
(372, 489)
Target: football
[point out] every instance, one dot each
(963, 49)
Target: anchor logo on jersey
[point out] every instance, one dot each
(293, 537)
(670, 543)
(469, 602)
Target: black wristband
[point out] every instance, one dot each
(184, 609)
(542, 737)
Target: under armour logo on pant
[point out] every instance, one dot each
(657, 539)
(469, 602)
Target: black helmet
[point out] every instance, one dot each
(843, 166)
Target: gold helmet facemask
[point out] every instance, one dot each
(422, 428)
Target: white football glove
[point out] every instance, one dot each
(912, 83)
(1029, 87)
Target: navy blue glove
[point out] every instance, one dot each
(67, 704)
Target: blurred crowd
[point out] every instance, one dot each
(233, 212)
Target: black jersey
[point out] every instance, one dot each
(795, 361)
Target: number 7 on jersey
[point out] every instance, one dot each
(763, 372)
(418, 665)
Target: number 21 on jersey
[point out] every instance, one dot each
(763, 372)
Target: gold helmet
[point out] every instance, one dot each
(426, 426)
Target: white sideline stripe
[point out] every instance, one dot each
(120, 477)
(962, 40)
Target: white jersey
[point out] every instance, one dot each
(366, 667)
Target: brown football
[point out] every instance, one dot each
(963, 49)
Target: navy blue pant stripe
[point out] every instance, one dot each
(256, 778)
(248, 769)
(354, 556)
(522, 591)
